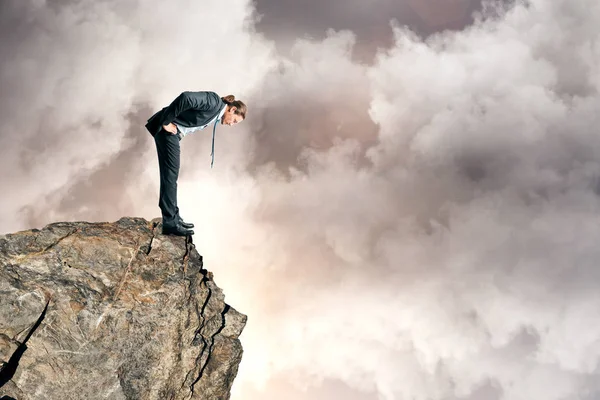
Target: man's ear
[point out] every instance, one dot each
(232, 109)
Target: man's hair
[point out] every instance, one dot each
(241, 108)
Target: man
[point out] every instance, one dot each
(188, 113)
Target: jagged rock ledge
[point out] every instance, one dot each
(131, 314)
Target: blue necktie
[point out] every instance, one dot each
(212, 153)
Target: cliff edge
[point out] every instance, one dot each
(112, 311)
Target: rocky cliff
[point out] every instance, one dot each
(112, 311)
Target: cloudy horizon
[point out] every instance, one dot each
(410, 211)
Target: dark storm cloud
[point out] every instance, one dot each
(285, 20)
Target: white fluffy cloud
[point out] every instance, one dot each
(459, 262)
(74, 71)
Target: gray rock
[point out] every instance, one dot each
(131, 315)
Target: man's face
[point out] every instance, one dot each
(230, 117)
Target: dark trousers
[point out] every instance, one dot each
(167, 146)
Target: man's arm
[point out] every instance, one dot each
(187, 101)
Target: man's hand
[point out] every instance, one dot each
(171, 128)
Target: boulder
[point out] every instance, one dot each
(112, 311)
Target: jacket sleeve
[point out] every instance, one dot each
(200, 101)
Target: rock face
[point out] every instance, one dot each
(131, 314)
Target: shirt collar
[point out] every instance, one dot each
(222, 112)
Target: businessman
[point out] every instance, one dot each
(188, 113)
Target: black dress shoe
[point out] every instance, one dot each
(177, 230)
(186, 225)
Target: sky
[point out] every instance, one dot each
(409, 212)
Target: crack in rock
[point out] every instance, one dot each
(210, 347)
(60, 240)
(8, 370)
(149, 249)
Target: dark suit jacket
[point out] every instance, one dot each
(188, 109)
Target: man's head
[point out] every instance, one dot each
(235, 111)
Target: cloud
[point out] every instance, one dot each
(76, 71)
(284, 21)
(456, 261)
(422, 227)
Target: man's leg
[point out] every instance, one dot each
(167, 146)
